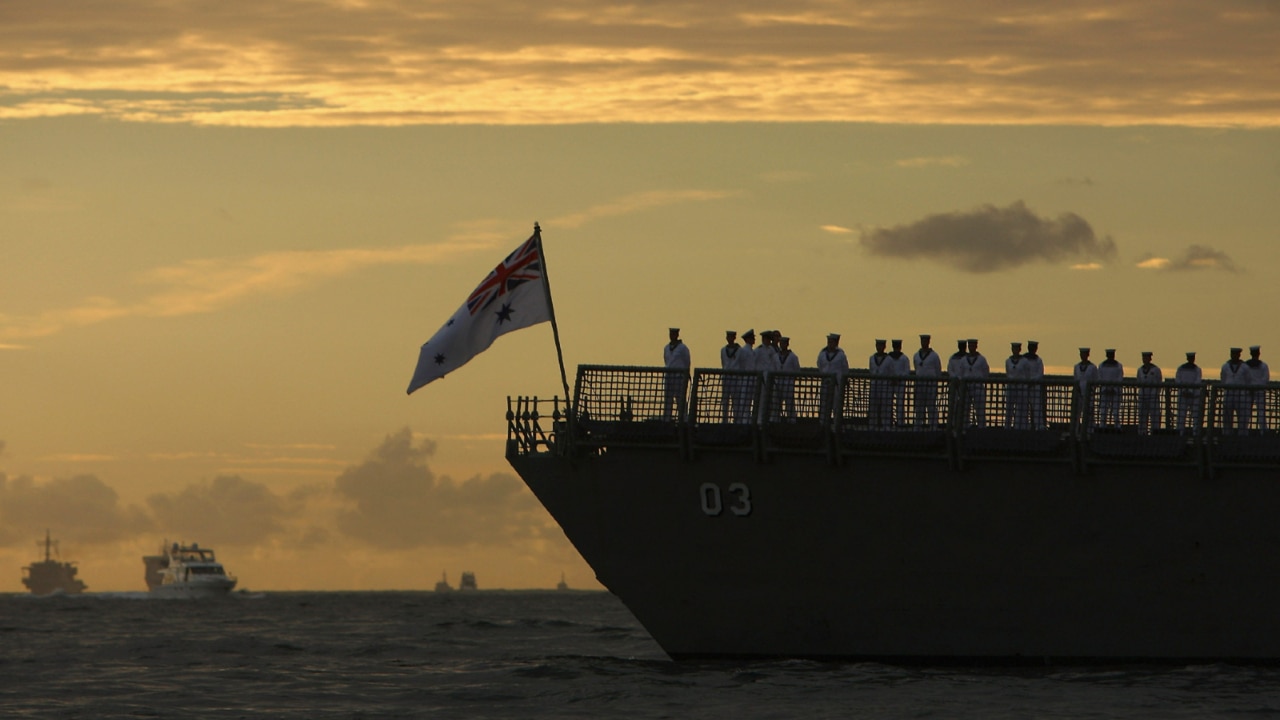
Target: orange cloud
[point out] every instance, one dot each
(398, 62)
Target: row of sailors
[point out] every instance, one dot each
(1024, 407)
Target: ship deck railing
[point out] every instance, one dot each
(1054, 419)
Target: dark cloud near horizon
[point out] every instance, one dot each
(392, 500)
(989, 238)
(397, 502)
(79, 509)
(1195, 257)
(227, 511)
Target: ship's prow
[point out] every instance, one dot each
(825, 538)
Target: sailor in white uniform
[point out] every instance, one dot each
(1259, 376)
(879, 414)
(1189, 397)
(1149, 378)
(787, 385)
(675, 356)
(928, 371)
(899, 367)
(775, 342)
(730, 360)
(976, 371)
(767, 354)
(1015, 393)
(832, 359)
(1110, 370)
(767, 362)
(747, 385)
(1235, 398)
(1085, 373)
(955, 364)
(1035, 392)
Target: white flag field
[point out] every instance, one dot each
(512, 297)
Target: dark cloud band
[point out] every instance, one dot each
(990, 238)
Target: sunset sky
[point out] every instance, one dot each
(226, 228)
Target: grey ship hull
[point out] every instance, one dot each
(788, 515)
(51, 577)
(907, 559)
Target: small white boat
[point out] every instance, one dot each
(188, 571)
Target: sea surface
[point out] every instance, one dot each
(510, 654)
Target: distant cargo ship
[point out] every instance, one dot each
(746, 515)
(50, 576)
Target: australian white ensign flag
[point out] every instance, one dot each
(513, 296)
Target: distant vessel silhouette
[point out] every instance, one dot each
(562, 585)
(468, 581)
(49, 576)
(443, 584)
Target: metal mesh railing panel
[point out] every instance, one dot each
(1015, 404)
(903, 403)
(1128, 405)
(631, 394)
(724, 397)
(798, 396)
(1241, 410)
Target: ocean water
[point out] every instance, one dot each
(510, 654)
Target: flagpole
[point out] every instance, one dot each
(555, 329)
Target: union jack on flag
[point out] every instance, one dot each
(521, 266)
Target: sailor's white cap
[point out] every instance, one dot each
(880, 341)
(674, 329)
(784, 339)
(926, 336)
(1235, 350)
(833, 336)
(1033, 343)
(896, 342)
(1084, 349)
(1147, 353)
(731, 332)
(1255, 348)
(749, 333)
(1191, 353)
(1110, 351)
(1015, 345)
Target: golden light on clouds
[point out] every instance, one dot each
(635, 202)
(205, 285)
(392, 62)
(947, 161)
